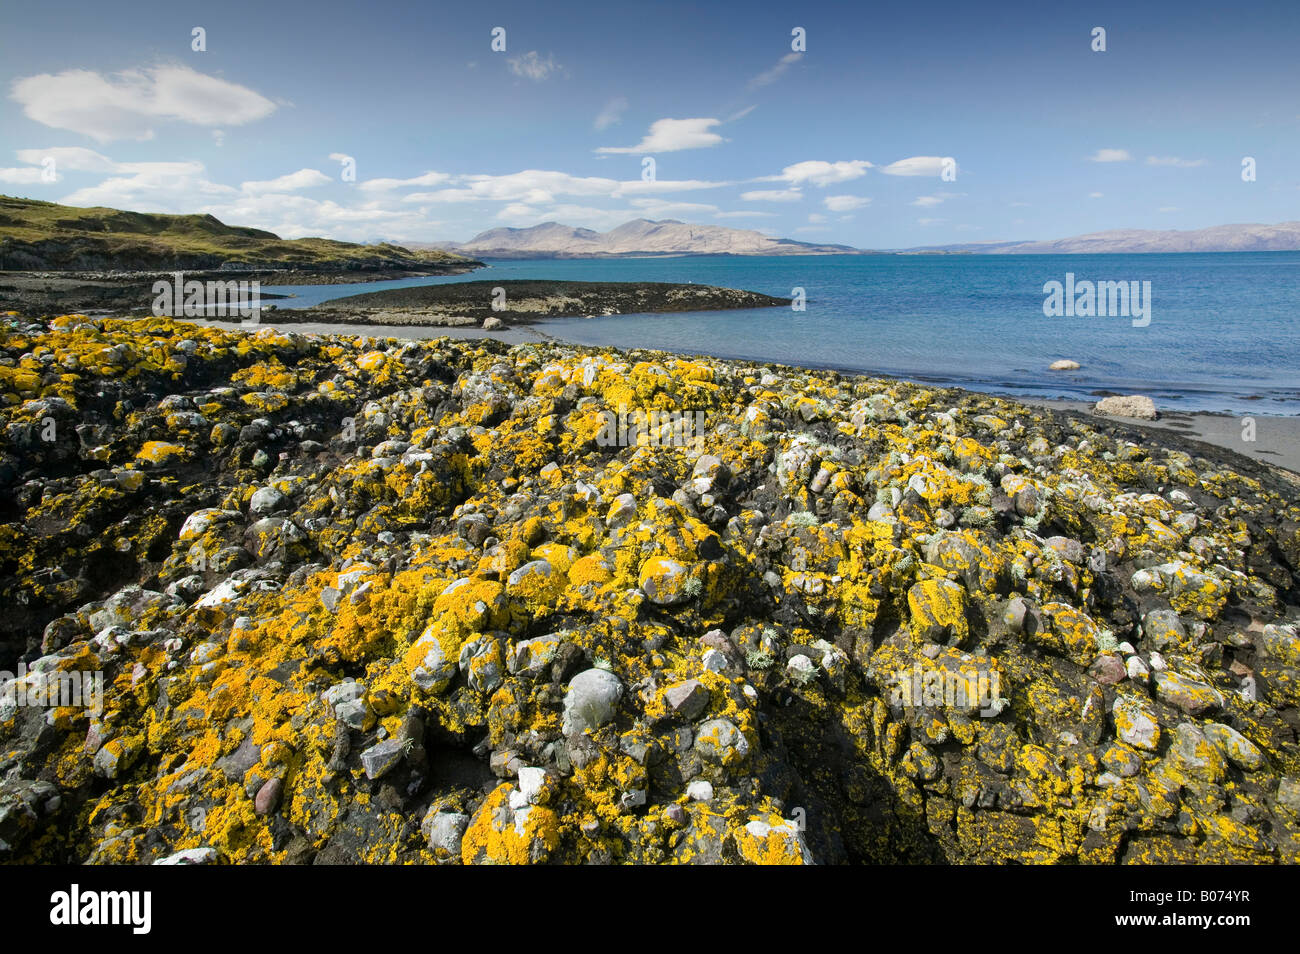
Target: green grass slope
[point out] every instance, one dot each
(38, 235)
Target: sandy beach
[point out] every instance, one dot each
(1277, 439)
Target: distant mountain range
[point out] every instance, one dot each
(639, 237)
(643, 237)
(1283, 237)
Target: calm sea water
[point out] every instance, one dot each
(1224, 333)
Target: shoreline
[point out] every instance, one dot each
(1277, 443)
(310, 517)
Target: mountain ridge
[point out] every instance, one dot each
(638, 237)
(1244, 237)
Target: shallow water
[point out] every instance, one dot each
(1224, 331)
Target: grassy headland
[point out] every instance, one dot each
(45, 236)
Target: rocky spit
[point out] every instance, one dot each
(361, 600)
(523, 301)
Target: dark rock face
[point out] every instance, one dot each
(370, 600)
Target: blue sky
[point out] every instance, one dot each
(839, 143)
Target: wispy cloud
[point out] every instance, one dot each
(612, 113)
(1176, 162)
(930, 201)
(532, 66)
(385, 185)
(1110, 155)
(915, 166)
(844, 203)
(772, 195)
(75, 158)
(775, 72)
(302, 179)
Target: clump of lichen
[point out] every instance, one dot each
(361, 599)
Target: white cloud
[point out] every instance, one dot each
(296, 216)
(612, 113)
(641, 186)
(928, 221)
(1096, 195)
(915, 166)
(1169, 208)
(543, 186)
(531, 66)
(772, 195)
(527, 197)
(302, 179)
(152, 187)
(930, 201)
(520, 214)
(22, 176)
(1110, 155)
(673, 135)
(844, 203)
(774, 73)
(1175, 161)
(816, 217)
(382, 185)
(820, 173)
(132, 102)
(659, 208)
(75, 158)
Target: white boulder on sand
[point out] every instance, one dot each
(1065, 364)
(1127, 405)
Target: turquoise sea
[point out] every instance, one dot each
(1224, 331)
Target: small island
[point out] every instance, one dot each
(522, 302)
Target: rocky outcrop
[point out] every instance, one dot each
(371, 600)
(524, 301)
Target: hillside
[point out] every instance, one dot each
(47, 236)
(635, 238)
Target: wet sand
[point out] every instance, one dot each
(1277, 439)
